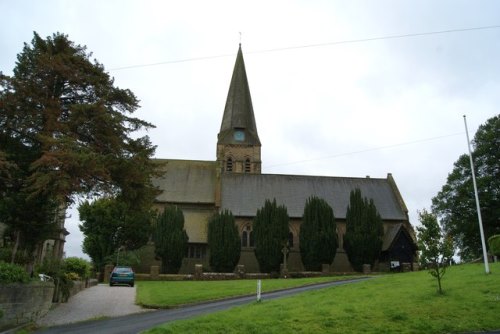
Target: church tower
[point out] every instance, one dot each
(238, 144)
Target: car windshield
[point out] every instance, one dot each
(122, 270)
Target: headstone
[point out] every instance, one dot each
(240, 271)
(155, 273)
(198, 271)
(367, 269)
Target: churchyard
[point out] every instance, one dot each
(393, 303)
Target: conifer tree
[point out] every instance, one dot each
(364, 231)
(318, 235)
(270, 227)
(223, 242)
(66, 130)
(170, 239)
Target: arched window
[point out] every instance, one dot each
(229, 165)
(290, 239)
(247, 237)
(248, 166)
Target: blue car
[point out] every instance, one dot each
(122, 275)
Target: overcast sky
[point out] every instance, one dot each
(331, 96)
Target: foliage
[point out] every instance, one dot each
(223, 242)
(318, 234)
(270, 228)
(455, 204)
(65, 130)
(364, 231)
(12, 273)
(494, 244)
(109, 224)
(80, 267)
(170, 239)
(400, 303)
(436, 249)
(123, 257)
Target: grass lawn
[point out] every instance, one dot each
(166, 294)
(399, 303)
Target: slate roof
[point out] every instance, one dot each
(391, 233)
(238, 112)
(244, 194)
(186, 181)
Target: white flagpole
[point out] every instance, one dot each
(485, 255)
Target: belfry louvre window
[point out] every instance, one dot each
(229, 165)
(248, 166)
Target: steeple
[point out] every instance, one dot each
(238, 143)
(238, 113)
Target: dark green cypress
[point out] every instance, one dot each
(270, 228)
(170, 239)
(318, 234)
(364, 231)
(223, 242)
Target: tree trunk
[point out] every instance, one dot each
(16, 245)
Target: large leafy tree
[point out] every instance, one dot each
(455, 203)
(436, 249)
(66, 130)
(109, 224)
(318, 234)
(270, 228)
(364, 231)
(170, 239)
(223, 242)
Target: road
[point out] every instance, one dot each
(135, 323)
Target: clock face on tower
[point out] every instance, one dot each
(239, 135)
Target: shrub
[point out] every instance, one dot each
(12, 273)
(318, 234)
(494, 243)
(78, 266)
(270, 226)
(224, 242)
(170, 239)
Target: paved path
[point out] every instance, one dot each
(135, 323)
(95, 302)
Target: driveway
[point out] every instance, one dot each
(96, 302)
(136, 323)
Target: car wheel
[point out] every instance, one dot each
(131, 285)
(110, 284)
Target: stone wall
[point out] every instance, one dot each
(23, 303)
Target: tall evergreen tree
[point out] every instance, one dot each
(66, 130)
(270, 228)
(223, 242)
(318, 234)
(364, 231)
(170, 239)
(110, 223)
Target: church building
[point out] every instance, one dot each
(234, 181)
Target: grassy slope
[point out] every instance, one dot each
(168, 294)
(403, 303)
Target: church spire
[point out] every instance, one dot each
(238, 144)
(238, 123)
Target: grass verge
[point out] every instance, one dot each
(168, 294)
(400, 303)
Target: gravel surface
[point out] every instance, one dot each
(95, 302)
